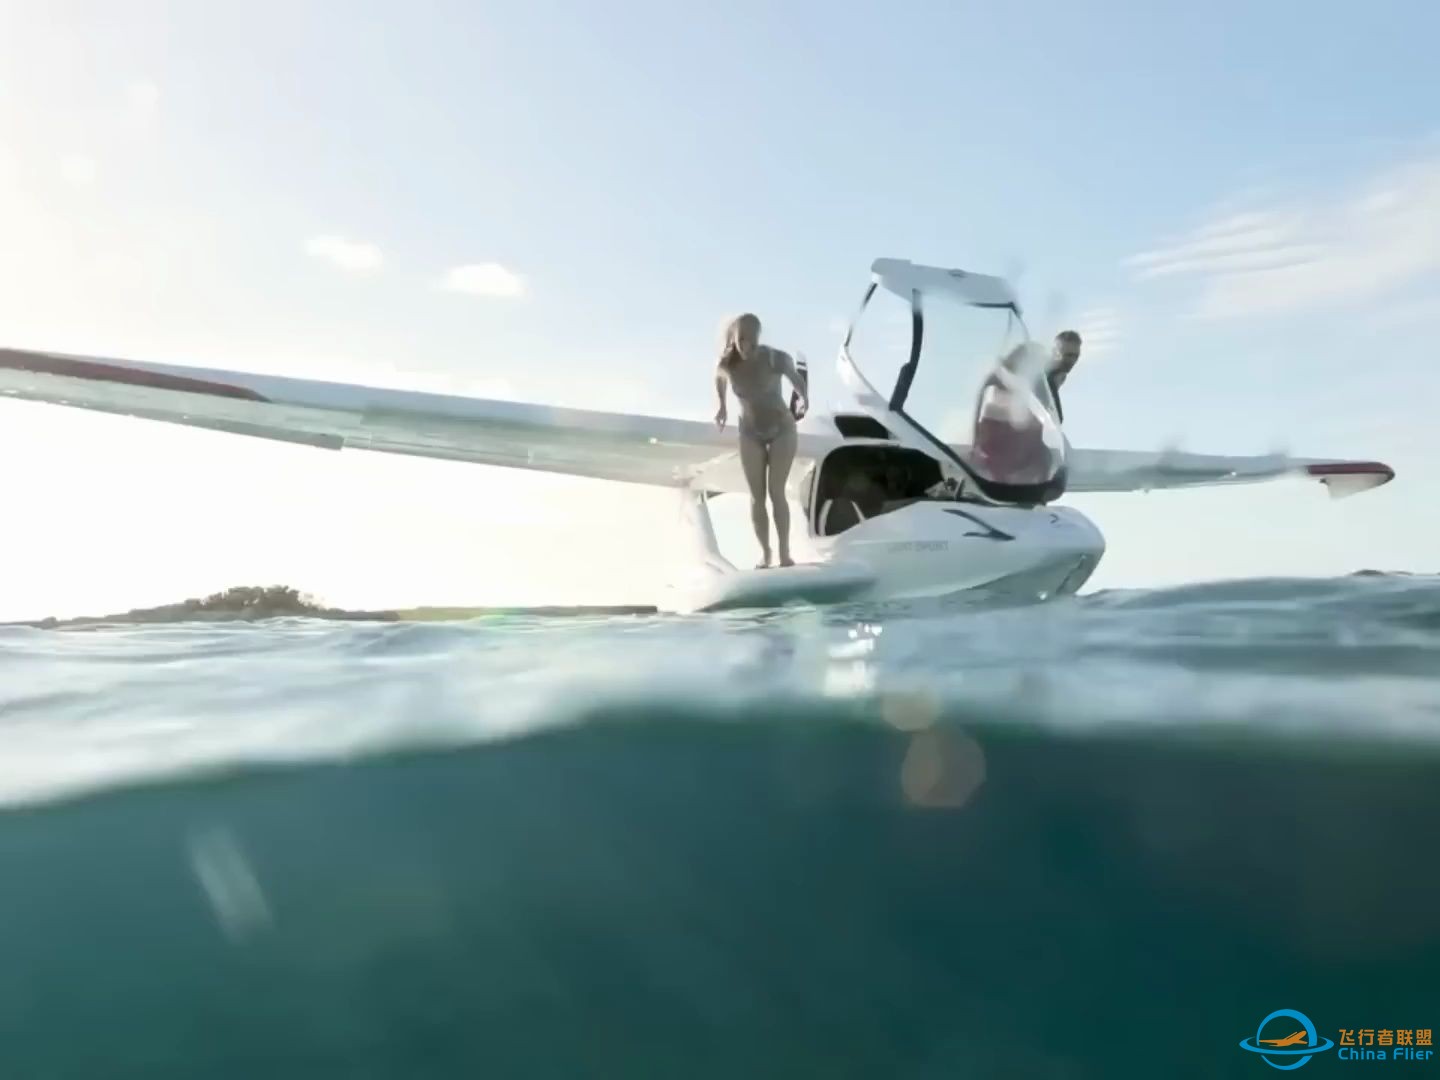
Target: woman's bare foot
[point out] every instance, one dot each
(785, 560)
(764, 563)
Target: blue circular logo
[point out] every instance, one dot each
(1300, 1044)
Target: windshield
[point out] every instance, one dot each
(976, 383)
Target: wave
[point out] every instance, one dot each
(1355, 657)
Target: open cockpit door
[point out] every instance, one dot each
(966, 384)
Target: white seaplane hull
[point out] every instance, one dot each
(931, 549)
(921, 551)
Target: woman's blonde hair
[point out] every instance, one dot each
(729, 354)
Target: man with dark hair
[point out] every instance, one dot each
(1067, 355)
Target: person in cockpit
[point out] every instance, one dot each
(1009, 443)
(1063, 361)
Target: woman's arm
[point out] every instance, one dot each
(720, 415)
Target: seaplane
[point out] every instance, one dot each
(893, 508)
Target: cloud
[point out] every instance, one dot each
(118, 266)
(142, 96)
(1099, 330)
(1406, 314)
(1242, 242)
(349, 255)
(1356, 246)
(77, 170)
(484, 279)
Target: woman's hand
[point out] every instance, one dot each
(720, 397)
(800, 408)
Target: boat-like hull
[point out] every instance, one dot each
(927, 549)
(936, 548)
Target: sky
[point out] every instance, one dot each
(1237, 205)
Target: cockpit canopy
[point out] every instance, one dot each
(943, 358)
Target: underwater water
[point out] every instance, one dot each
(1101, 837)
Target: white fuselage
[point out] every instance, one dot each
(937, 548)
(925, 549)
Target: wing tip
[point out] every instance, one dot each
(1345, 478)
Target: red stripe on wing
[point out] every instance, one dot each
(47, 364)
(1352, 468)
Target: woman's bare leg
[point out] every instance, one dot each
(782, 456)
(753, 457)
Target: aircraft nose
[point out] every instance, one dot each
(1077, 532)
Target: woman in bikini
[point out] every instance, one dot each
(767, 424)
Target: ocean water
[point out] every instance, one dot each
(1102, 837)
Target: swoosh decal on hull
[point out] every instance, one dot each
(990, 533)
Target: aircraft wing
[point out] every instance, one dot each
(661, 451)
(1137, 470)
